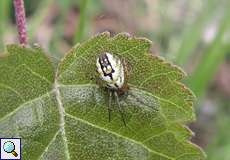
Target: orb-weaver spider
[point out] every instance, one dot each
(113, 72)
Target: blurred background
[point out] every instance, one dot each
(192, 34)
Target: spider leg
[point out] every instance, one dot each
(119, 108)
(109, 107)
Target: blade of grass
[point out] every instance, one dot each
(4, 14)
(81, 25)
(211, 60)
(192, 34)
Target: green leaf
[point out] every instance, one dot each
(66, 117)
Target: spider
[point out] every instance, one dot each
(113, 73)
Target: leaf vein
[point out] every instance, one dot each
(111, 132)
(12, 89)
(51, 141)
(62, 120)
(23, 105)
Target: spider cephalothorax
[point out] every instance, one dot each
(112, 71)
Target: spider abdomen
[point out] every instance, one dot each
(111, 70)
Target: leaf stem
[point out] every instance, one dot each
(21, 21)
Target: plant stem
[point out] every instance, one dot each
(21, 21)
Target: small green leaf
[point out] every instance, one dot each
(65, 117)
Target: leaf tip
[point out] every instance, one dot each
(180, 72)
(102, 34)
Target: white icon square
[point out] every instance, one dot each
(10, 148)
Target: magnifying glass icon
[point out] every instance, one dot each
(9, 147)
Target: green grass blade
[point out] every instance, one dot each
(192, 34)
(213, 57)
(80, 29)
(4, 14)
